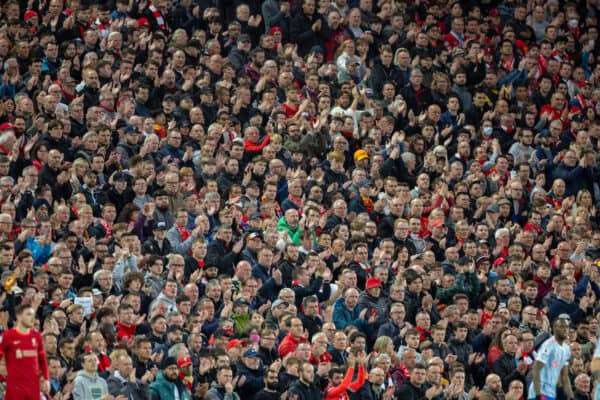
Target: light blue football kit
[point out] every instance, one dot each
(554, 357)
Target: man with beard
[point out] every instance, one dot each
(271, 389)
(492, 389)
(415, 389)
(551, 365)
(167, 384)
(91, 88)
(304, 389)
(289, 263)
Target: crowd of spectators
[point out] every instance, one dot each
(306, 200)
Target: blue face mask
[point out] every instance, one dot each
(487, 130)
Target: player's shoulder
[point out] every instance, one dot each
(8, 333)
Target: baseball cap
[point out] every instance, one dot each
(255, 215)
(499, 261)
(161, 226)
(544, 133)
(373, 282)
(132, 129)
(241, 301)
(279, 302)
(493, 208)
(481, 259)
(503, 201)
(144, 22)
(234, 343)
(364, 183)
(120, 176)
(6, 126)
(184, 361)
(360, 155)
(251, 353)
(244, 38)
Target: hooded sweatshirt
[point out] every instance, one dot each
(89, 387)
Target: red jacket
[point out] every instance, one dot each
(340, 392)
(125, 331)
(288, 344)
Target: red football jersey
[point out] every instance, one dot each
(25, 357)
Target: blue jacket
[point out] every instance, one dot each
(342, 317)
(254, 381)
(41, 254)
(560, 306)
(576, 178)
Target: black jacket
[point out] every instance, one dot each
(366, 392)
(301, 32)
(311, 324)
(131, 390)
(48, 176)
(408, 391)
(302, 391)
(505, 368)
(381, 74)
(220, 254)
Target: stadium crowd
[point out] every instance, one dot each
(305, 200)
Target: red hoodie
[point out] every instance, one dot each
(288, 344)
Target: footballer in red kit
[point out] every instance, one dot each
(23, 349)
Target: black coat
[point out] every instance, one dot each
(221, 255)
(301, 32)
(131, 390)
(505, 368)
(408, 391)
(311, 324)
(302, 391)
(366, 392)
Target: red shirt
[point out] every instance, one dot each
(25, 358)
(125, 331)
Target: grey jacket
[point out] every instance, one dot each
(217, 392)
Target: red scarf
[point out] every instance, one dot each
(423, 333)
(106, 227)
(297, 202)
(157, 16)
(103, 362)
(188, 380)
(185, 233)
(509, 64)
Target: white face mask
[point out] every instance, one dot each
(573, 23)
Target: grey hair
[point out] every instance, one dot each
(408, 156)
